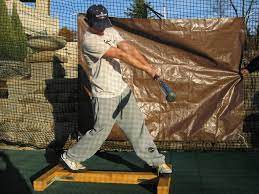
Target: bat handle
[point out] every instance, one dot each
(156, 77)
(168, 92)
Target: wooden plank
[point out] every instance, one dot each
(57, 173)
(164, 182)
(46, 179)
(105, 176)
(163, 185)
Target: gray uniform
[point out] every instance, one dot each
(112, 102)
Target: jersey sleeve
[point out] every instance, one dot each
(117, 36)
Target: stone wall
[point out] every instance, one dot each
(41, 107)
(36, 20)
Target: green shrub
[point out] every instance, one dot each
(138, 9)
(19, 36)
(13, 44)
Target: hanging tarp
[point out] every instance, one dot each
(200, 60)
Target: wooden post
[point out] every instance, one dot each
(57, 173)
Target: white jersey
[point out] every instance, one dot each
(106, 78)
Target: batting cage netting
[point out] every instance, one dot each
(43, 80)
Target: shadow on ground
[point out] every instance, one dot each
(11, 180)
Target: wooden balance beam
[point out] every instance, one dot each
(58, 173)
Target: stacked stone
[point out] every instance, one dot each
(43, 104)
(71, 65)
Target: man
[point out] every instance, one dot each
(251, 67)
(112, 99)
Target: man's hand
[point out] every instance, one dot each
(154, 71)
(244, 72)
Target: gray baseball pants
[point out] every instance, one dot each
(124, 111)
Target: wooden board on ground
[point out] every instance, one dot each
(57, 173)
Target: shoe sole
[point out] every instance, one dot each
(66, 167)
(165, 174)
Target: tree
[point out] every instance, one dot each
(246, 11)
(138, 10)
(6, 36)
(12, 36)
(255, 39)
(19, 36)
(68, 34)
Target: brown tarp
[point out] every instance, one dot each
(200, 60)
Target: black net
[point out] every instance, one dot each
(39, 88)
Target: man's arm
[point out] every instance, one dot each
(133, 51)
(132, 60)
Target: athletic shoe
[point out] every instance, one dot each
(71, 165)
(164, 169)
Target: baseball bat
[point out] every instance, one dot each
(170, 96)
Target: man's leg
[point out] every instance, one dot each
(132, 123)
(90, 143)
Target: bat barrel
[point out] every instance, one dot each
(170, 95)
